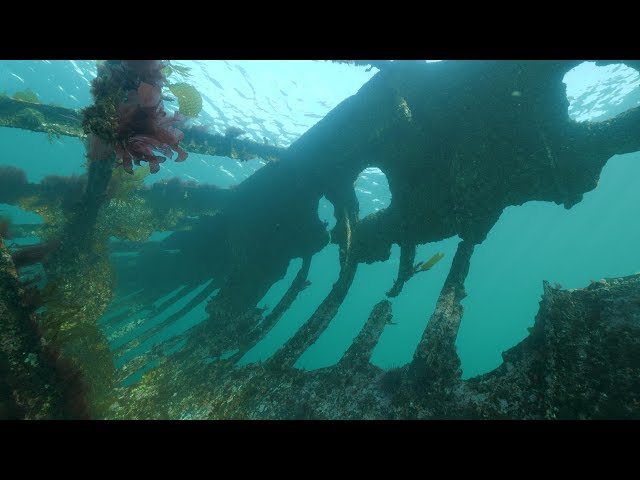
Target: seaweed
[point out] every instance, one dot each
(128, 119)
(27, 95)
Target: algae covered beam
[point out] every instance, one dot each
(55, 120)
(39, 117)
(358, 354)
(197, 140)
(436, 357)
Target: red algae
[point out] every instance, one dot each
(128, 119)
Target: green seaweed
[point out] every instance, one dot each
(27, 95)
(189, 99)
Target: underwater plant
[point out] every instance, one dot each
(13, 180)
(189, 99)
(128, 119)
(27, 95)
(144, 128)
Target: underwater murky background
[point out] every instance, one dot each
(276, 102)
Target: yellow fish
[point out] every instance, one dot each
(423, 266)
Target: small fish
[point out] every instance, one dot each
(423, 266)
(347, 225)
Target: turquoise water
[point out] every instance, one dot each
(279, 101)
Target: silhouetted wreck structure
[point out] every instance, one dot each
(459, 141)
